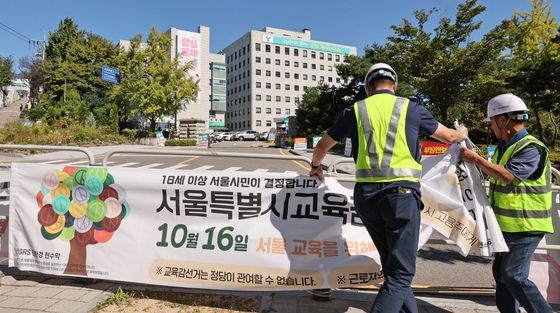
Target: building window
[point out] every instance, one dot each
(258, 123)
(338, 80)
(287, 87)
(267, 48)
(258, 46)
(330, 79)
(313, 66)
(287, 111)
(304, 64)
(304, 53)
(258, 110)
(304, 76)
(277, 74)
(330, 68)
(329, 57)
(296, 75)
(286, 63)
(267, 73)
(321, 56)
(258, 59)
(337, 58)
(296, 64)
(258, 97)
(296, 52)
(268, 111)
(296, 99)
(267, 60)
(287, 99)
(268, 98)
(322, 67)
(321, 78)
(313, 54)
(258, 72)
(296, 87)
(287, 75)
(277, 61)
(258, 85)
(268, 86)
(277, 86)
(305, 88)
(277, 49)
(268, 123)
(278, 98)
(286, 51)
(313, 77)
(278, 111)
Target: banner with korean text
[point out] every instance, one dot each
(202, 229)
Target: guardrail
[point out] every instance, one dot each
(88, 153)
(110, 153)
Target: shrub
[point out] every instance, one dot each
(181, 142)
(17, 133)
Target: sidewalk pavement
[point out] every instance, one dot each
(23, 292)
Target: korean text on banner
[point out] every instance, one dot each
(200, 229)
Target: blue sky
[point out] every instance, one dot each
(359, 24)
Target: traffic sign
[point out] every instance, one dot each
(110, 74)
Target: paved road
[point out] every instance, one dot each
(9, 113)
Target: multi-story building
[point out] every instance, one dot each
(269, 70)
(207, 112)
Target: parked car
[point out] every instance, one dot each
(263, 136)
(220, 136)
(247, 135)
(228, 136)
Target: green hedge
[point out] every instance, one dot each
(180, 142)
(73, 135)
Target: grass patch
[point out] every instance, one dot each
(172, 302)
(118, 298)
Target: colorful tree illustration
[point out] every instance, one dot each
(82, 205)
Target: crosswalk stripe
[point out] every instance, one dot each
(126, 164)
(290, 172)
(202, 168)
(177, 166)
(78, 162)
(261, 170)
(151, 165)
(54, 162)
(232, 169)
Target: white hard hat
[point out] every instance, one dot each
(505, 103)
(380, 69)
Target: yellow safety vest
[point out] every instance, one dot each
(383, 153)
(523, 206)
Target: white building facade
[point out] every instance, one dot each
(268, 71)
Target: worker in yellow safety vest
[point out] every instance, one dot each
(521, 197)
(385, 131)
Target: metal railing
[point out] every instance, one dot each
(111, 153)
(88, 153)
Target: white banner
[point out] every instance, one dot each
(456, 205)
(202, 229)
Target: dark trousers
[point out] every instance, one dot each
(392, 219)
(511, 272)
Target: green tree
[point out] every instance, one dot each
(6, 73)
(153, 85)
(534, 43)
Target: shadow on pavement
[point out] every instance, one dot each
(449, 256)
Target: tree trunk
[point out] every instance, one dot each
(152, 124)
(77, 259)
